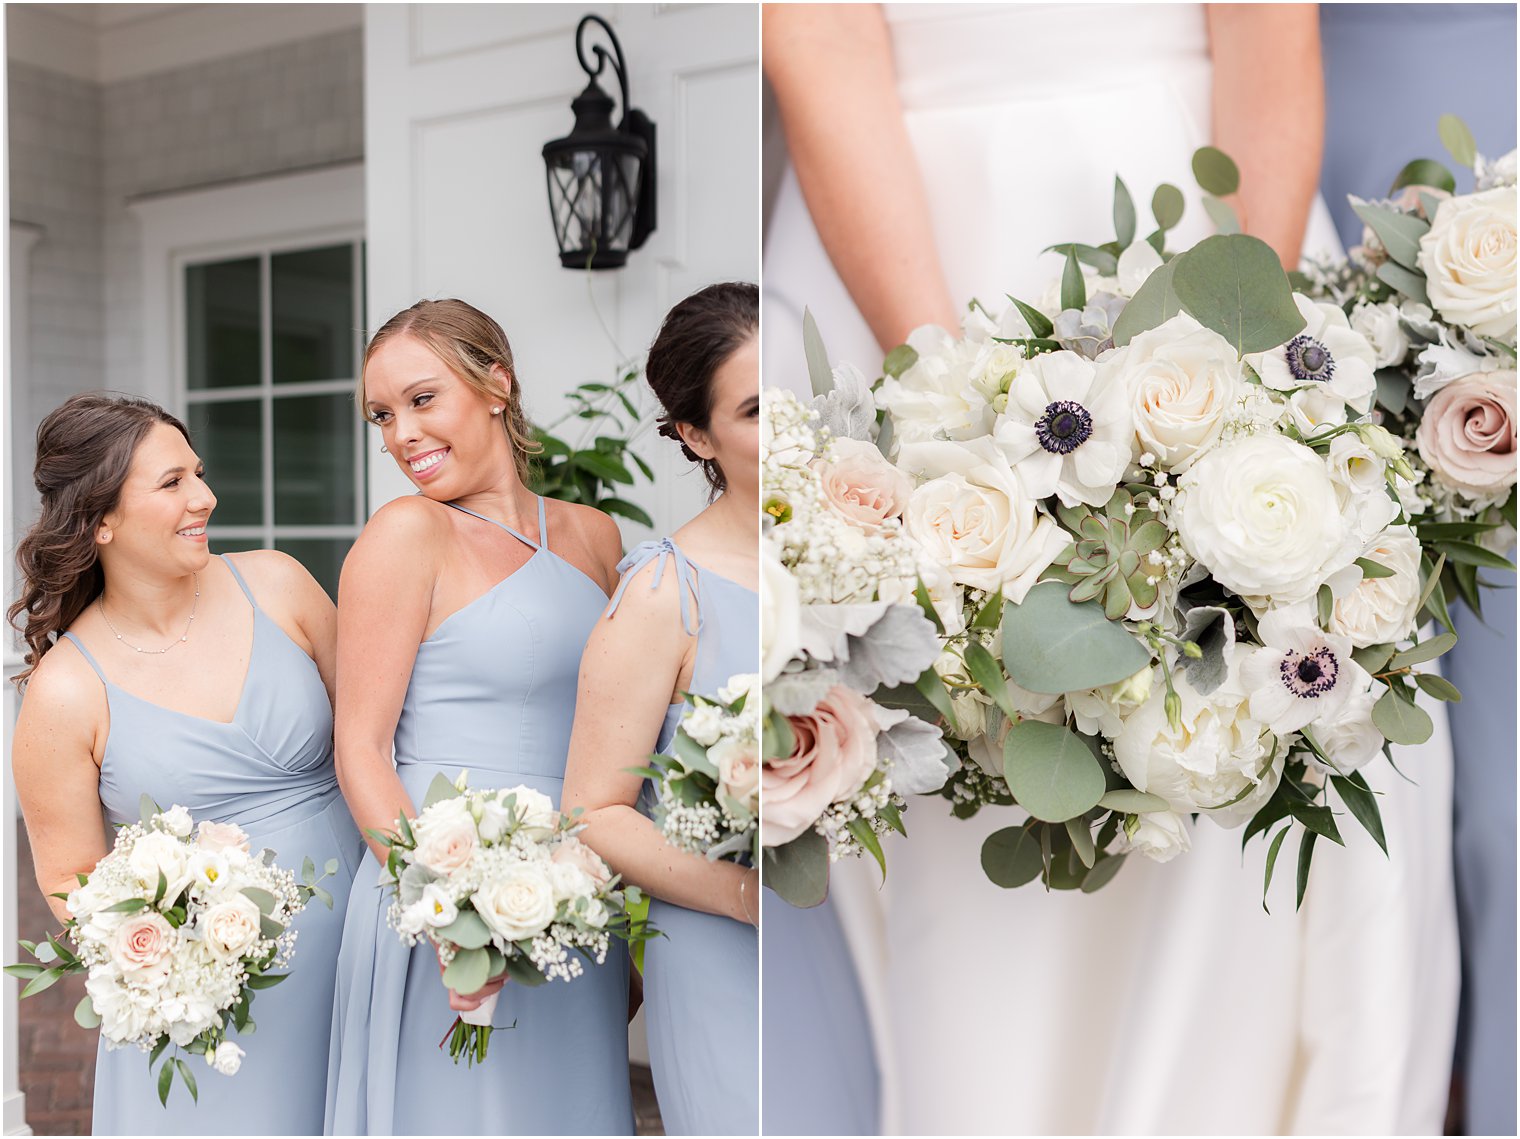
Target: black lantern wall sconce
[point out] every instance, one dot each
(601, 177)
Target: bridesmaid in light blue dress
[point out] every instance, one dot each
(231, 720)
(685, 618)
(1391, 70)
(462, 615)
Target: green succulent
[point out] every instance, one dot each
(1107, 560)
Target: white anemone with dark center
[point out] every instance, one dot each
(1327, 355)
(1301, 674)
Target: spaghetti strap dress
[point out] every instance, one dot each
(270, 771)
(492, 691)
(701, 980)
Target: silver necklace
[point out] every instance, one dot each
(101, 603)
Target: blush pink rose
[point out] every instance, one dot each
(141, 947)
(221, 836)
(447, 844)
(572, 851)
(1467, 434)
(834, 754)
(861, 485)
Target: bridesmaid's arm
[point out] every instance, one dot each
(629, 672)
(1269, 114)
(830, 66)
(53, 752)
(384, 600)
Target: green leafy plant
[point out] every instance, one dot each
(591, 470)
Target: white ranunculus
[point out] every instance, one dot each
(780, 613)
(1067, 429)
(519, 904)
(1381, 610)
(1261, 515)
(937, 398)
(1380, 325)
(972, 516)
(437, 906)
(1328, 355)
(176, 820)
(1137, 263)
(1218, 759)
(227, 1058)
(1348, 738)
(157, 852)
(539, 816)
(1159, 835)
(1300, 673)
(230, 928)
(1468, 259)
(1182, 380)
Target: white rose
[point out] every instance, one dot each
(176, 820)
(780, 612)
(231, 927)
(226, 1059)
(1380, 325)
(738, 763)
(1067, 429)
(1468, 259)
(494, 820)
(446, 842)
(221, 836)
(569, 882)
(1217, 760)
(157, 852)
(517, 905)
(1159, 835)
(973, 517)
(1328, 355)
(539, 818)
(1182, 380)
(1381, 610)
(1261, 515)
(1349, 739)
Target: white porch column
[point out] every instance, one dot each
(22, 238)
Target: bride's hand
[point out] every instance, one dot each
(469, 1002)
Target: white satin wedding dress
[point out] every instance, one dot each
(1168, 1002)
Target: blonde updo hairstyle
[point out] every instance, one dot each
(468, 342)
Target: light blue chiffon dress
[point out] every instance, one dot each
(270, 771)
(701, 980)
(1391, 70)
(492, 692)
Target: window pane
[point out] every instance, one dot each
(322, 557)
(228, 438)
(314, 460)
(235, 545)
(314, 324)
(222, 324)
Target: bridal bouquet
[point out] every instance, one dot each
(707, 794)
(844, 642)
(176, 931)
(1432, 288)
(1165, 549)
(500, 884)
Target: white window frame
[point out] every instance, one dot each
(253, 218)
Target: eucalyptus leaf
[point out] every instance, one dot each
(1050, 771)
(820, 375)
(1235, 285)
(1011, 857)
(1124, 214)
(468, 931)
(85, 1015)
(1153, 304)
(1222, 214)
(468, 972)
(261, 898)
(1215, 171)
(1372, 569)
(1458, 140)
(1167, 206)
(1393, 390)
(1400, 279)
(799, 870)
(1052, 645)
(1082, 841)
(146, 808)
(1399, 233)
(1373, 658)
(1428, 649)
(1038, 322)
(1128, 801)
(522, 971)
(1437, 686)
(1103, 873)
(1424, 172)
(1401, 721)
(441, 788)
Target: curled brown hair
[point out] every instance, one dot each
(697, 336)
(84, 454)
(468, 342)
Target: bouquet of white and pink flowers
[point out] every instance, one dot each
(842, 639)
(1164, 546)
(1432, 288)
(177, 927)
(707, 793)
(500, 884)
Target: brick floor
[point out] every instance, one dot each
(57, 1061)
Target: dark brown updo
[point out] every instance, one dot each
(698, 335)
(84, 454)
